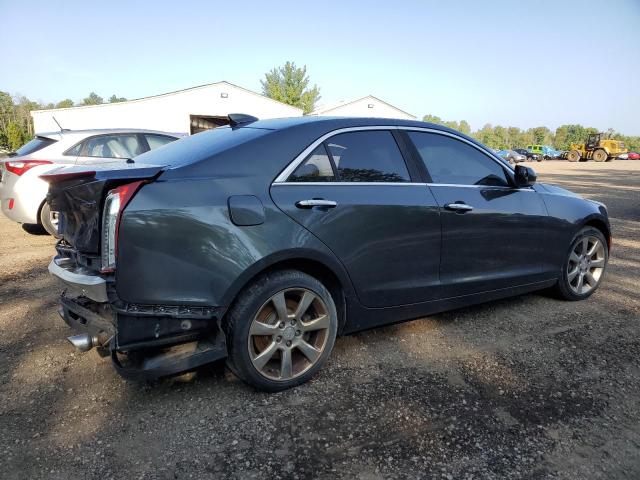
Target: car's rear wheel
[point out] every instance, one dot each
(281, 330)
(49, 220)
(584, 265)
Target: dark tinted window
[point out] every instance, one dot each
(455, 162)
(315, 168)
(34, 145)
(368, 156)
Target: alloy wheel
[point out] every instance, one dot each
(53, 219)
(586, 265)
(288, 334)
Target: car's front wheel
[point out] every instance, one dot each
(584, 265)
(281, 330)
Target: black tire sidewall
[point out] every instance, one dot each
(240, 315)
(563, 282)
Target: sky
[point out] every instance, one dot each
(512, 63)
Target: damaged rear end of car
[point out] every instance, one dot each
(144, 341)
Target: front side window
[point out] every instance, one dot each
(454, 162)
(114, 146)
(316, 168)
(367, 156)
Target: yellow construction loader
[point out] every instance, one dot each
(598, 147)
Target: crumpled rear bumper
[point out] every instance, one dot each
(79, 281)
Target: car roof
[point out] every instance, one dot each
(337, 122)
(100, 131)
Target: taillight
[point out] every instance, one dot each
(20, 166)
(115, 203)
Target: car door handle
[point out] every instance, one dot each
(458, 207)
(316, 202)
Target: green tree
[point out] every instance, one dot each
(500, 138)
(486, 135)
(515, 137)
(464, 127)
(568, 134)
(114, 99)
(433, 119)
(15, 136)
(92, 99)
(290, 84)
(6, 114)
(541, 135)
(66, 103)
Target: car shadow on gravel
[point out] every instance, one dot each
(34, 229)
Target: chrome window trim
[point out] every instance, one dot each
(363, 184)
(400, 184)
(501, 187)
(281, 179)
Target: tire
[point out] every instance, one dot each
(600, 155)
(573, 156)
(47, 222)
(259, 345)
(569, 279)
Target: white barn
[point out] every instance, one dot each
(184, 111)
(368, 106)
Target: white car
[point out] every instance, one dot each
(23, 193)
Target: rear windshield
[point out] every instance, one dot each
(200, 146)
(34, 145)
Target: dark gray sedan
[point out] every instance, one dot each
(262, 241)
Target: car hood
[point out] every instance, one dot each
(555, 190)
(548, 188)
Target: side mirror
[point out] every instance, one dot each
(525, 176)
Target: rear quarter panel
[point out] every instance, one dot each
(178, 245)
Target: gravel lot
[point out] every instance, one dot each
(529, 387)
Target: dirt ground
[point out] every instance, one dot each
(529, 387)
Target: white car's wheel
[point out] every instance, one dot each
(49, 220)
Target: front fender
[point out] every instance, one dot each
(568, 214)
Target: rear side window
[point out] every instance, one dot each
(75, 150)
(316, 168)
(34, 145)
(367, 156)
(156, 141)
(451, 161)
(113, 146)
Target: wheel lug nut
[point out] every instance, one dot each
(293, 322)
(278, 338)
(281, 325)
(288, 343)
(298, 332)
